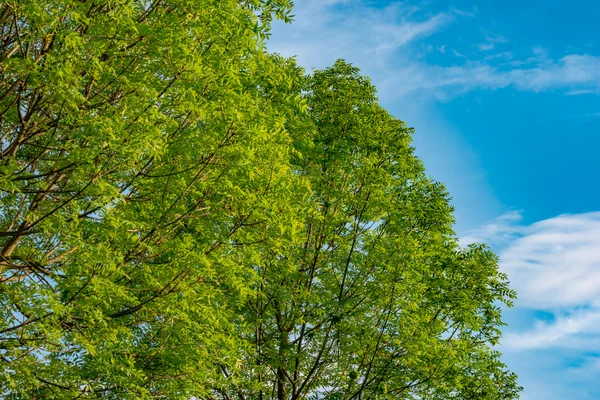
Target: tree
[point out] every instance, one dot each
(139, 157)
(378, 301)
(184, 215)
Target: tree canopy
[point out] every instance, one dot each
(185, 215)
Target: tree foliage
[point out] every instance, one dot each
(139, 156)
(184, 214)
(377, 301)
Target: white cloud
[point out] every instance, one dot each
(491, 42)
(505, 55)
(392, 35)
(581, 91)
(554, 265)
(500, 231)
(580, 329)
(378, 41)
(570, 71)
(575, 73)
(464, 13)
(486, 46)
(324, 31)
(587, 369)
(556, 262)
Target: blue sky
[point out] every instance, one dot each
(505, 99)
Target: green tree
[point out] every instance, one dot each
(141, 157)
(183, 214)
(378, 301)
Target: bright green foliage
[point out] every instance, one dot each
(379, 301)
(140, 151)
(183, 214)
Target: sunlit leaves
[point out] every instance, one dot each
(183, 214)
(140, 162)
(377, 301)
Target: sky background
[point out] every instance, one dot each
(505, 99)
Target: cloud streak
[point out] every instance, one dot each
(324, 31)
(554, 265)
(578, 330)
(394, 35)
(556, 262)
(491, 42)
(384, 43)
(574, 74)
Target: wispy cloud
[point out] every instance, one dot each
(580, 329)
(582, 91)
(464, 13)
(505, 55)
(379, 41)
(393, 35)
(573, 73)
(502, 230)
(326, 30)
(554, 265)
(491, 42)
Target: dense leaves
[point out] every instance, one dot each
(139, 157)
(377, 301)
(183, 214)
